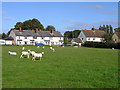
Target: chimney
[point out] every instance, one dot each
(36, 30)
(52, 31)
(20, 29)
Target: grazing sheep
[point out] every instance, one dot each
(112, 48)
(31, 52)
(63, 46)
(43, 47)
(50, 48)
(75, 46)
(12, 53)
(53, 49)
(42, 53)
(23, 48)
(37, 55)
(25, 53)
(38, 46)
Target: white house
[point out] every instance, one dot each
(2, 42)
(91, 35)
(31, 37)
(9, 41)
(76, 41)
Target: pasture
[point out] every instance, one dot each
(65, 68)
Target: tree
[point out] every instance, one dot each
(107, 29)
(68, 34)
(111, 30)
(65, 40)
(29, 25)
(117, 29)
(76, 33)
(18, 25)
(4, 35)
(107, 37)
(50, 27)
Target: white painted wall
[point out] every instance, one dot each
(55, 40)
(82, 36)
(96, 39)
(2, 42)
(8, 42)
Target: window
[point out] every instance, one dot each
(88, 38)
(60, 38)
(19, 42)
(115, 40)
(93, 38)
(42, 38)
(82, 38)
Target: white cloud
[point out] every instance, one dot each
(8, 18)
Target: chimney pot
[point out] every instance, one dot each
(52, 31)
(36, 30)
(20, 29)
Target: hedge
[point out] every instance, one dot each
(109, 44)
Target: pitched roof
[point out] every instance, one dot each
(91, 33)
(77, 40)
(8, 38)
(38, 34)
(118, 34)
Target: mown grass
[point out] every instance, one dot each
(65, 68)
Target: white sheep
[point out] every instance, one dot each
(75, 46)
(31, 52)
(50, 48)
(53, 49)
(23, 48)
(12, 53)
(37, 55)
(25, 53)
(38, 46)
(43, 47)
(112, 48)
(63, 46)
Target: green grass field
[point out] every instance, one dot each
(65, 68)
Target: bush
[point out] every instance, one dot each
(108, 44)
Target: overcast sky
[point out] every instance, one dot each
(63, 16)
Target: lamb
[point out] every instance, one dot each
(23, 48)
(25, 53)
(12, 53)
(43, 47)
(37, 46)
(37, 55)
(112, 48)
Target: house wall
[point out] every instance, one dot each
(21, 40)
(115, 38)
(82, 37)
(13, 36)
(8, 42)
(2, 42)
(94, 39)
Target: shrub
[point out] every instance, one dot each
(108, 44)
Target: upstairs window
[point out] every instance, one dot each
(93, 38)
